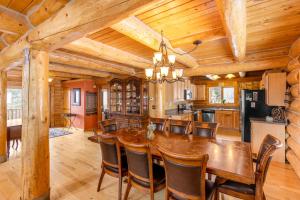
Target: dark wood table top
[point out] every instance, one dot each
(230, 160)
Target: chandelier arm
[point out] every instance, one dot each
(181, 54)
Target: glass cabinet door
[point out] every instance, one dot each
(133, 96)
(145, 98)
(116, 96)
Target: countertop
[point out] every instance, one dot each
(263, 120)
(185, 112)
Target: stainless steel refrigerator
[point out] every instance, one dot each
(252, 105)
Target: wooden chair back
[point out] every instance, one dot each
(266, 151)
(179, 126)
(108, 126)
(110, 150)
(159, 122)
(139, 161)
(185, 177)
(205, 129)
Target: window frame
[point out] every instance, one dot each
(222, 95)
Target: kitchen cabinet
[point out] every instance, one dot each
(275, 87)
(228, 119)
(201, 92)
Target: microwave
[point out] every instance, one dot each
(188, 95)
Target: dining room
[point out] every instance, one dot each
(149, 99)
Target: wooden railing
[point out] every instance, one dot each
(14, 114)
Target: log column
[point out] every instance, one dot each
(35, 127)
(3, 116)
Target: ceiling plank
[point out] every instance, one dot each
(254, 65)
(137, 30)
(72, 22)
(12, 22)
(55, 74)
(89, 63)
(97, 49)
(233, 14)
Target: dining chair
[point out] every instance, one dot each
(185, 177)
(160, 123)
(114, 162)
(108, 126)
(179, 126)
(143, 174)
(205, 129)
(255, 191)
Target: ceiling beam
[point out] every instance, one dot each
(12, 22)
(89, 63)
(234, 19)
(139, 31)
(72, 22)
(246, 66)
(55, 74)
(71, 69)
(99, 50)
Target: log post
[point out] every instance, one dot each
(35, 127)
(3, 117)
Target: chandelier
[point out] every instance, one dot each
(164, 62)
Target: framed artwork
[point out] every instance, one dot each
(76, 97)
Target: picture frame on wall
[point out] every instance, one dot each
(76, 97)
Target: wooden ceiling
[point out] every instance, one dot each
(271, 27)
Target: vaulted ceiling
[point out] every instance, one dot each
(260, 35)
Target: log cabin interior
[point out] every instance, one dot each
(149, 99)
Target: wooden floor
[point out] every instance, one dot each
(75, 171)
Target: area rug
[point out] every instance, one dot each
(57, 132)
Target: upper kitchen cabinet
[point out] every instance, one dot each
(275, 87)
(201, 92)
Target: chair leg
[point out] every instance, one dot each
(209, 177)
(120, 189)
(100, 180)
(217, 194)
(152, 195)
(167, 195)
(127, 189)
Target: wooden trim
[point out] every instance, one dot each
(3, 116)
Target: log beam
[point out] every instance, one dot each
(35, 127)
(71, 69)
(237, 67)
(233, 15)
(72, 22)
(3, 117)
(12, 22)
(138, 31)
(99, 50)
(90, 63)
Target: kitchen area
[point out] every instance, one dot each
(250, 106)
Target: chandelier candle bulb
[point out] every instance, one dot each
(158, 56)
(164, 71)
(172, 59)
(174, 74)
(149, 73)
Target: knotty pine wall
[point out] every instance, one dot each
(56, 103)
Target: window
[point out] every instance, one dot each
(228, 95)
(76, 97)
(215, 95)
(219, 95)
(14, 104)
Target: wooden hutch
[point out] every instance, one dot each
(129, 101)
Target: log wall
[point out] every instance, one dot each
(293, 112)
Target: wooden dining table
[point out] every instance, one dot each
(230, 160)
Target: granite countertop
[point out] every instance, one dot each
(263, 120)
